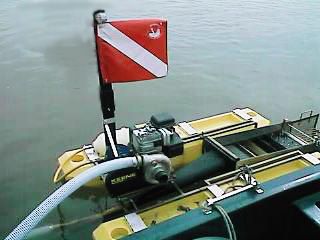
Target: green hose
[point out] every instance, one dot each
(227, 221)
(231, 232)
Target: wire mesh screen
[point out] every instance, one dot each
(304, 128)
(305, 124)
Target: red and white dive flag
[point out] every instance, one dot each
(132, 50)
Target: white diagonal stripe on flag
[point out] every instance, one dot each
(133, 50)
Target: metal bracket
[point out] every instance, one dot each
(109, 120)
(216, 190)
(256, 185)
(187, 128)
(242, 114)
(310, 158)
(91, 153)
(246, 175)
(135, 222)
(211, 201)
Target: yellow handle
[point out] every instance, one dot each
(56, 177)
(56, 174)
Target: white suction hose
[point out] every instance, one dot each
(21, 231)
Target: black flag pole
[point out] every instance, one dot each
(106, 95)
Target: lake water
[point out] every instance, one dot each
(223, 54)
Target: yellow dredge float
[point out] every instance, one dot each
(78, 160)
(261, 151)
